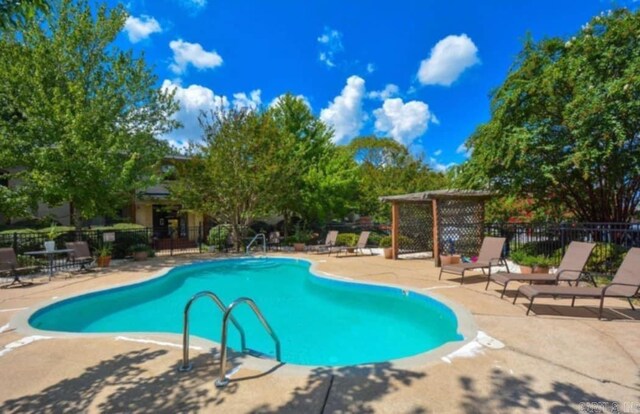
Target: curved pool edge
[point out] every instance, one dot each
(466, 324)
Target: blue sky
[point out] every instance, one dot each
(418, 71)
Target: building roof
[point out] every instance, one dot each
(425, 196)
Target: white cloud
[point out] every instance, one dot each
(330, 45)
(185, 54)
(438, 166)
(402, 121)
(251, 102)
(462, 149)
(345, 113)
(371, 68)
(437, 153)
(193, 99)
(194, 5)
(448, 59)
(140, 28)
(389, 91)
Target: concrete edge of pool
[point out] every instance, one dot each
(466, 324)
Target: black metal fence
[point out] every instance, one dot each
(612, 240)
(119, 243)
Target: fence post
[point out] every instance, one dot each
(200, 235)
(171, 242)
(562, 238)
(15, 241)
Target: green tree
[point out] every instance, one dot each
(321, 180)
(78, 116)
(565, 125)
(387, 168)
(14, 13)
(234, 174)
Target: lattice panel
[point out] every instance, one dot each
(415, 228)
(461, 226)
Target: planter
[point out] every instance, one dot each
(139, 256)
(541, 269)
(103, 261)
(526, 270)
(449, 259)
(388, 253)
(50, 245)
(298, 247)
(351, 249)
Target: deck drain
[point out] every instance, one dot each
(485, 340)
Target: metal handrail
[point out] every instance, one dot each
(186, 365)
(264, 241)
(223, 380)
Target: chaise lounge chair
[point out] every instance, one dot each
(625, 284)
(360, 246)
(329, 242)
(80, 254)
(570, 270)
(490, 255)
(9, 265)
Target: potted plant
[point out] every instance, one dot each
(50, 244)
(542, 264)
(530, 263)
(385, 244)
(140, 251)
(300, 238)
(104, 255)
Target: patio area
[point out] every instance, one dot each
(560, 359)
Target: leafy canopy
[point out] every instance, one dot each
(565, 125)
(77, 115)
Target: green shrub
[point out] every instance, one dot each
(347, 239)
(374, 239)
(385, 242)
(218, 236)
(605, 258)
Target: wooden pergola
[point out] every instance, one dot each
(439, 220)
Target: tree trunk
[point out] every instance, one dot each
(77, 223)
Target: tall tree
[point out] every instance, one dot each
(79, 116)
(565, 125)
(387, 168)
(234, 174)
(322, 180)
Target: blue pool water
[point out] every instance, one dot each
(318, 321)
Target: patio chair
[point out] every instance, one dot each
(625, 284)
(490, 255)
(80, 254)
(9, 265)
(571, 269)
(360, 246)
(273, 240)
(329, 242)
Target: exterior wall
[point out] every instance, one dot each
(61, 213)
(144, 214)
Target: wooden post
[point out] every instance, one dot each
(395, 226)
(436, 233)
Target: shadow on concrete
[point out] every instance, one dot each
(124, 384)
(347, 390)
(510, 393)
(588, 312)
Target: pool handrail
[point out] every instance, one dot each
(255, 239)
(186, 364)
(223, 380)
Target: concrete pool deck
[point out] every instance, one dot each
(561, 359)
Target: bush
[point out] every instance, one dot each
(125, 240)
(385, 242)
(374, 239)
(605, 258)
(218, 236)
(347, 239)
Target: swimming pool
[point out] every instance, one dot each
(319, 321)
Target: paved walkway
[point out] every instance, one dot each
(559, 360)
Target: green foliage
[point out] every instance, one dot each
(218, 236)
(387, 168)
(605, 258)
(78, 116)
(385, 242)
(105, 250)
(522, 258)
(234, 175)
(320, 180)
(141, 247)
(374, 239)
(347, 239)
(16, 13)
(564, 125)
